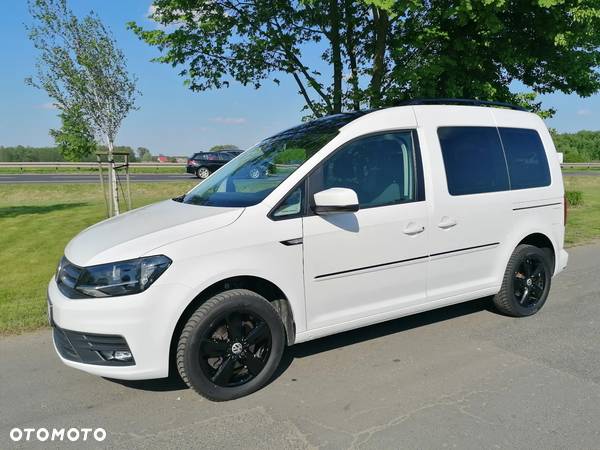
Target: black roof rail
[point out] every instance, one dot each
(458, 101)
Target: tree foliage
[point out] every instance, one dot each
(583, 146)
(142, 152)
(22, 153)
(82, 69)
(80, 66)
(377, 52)
(223, 148)
(74, 139)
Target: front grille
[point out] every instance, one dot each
(67, 277)
(86, 347)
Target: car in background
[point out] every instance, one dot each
(202, 164)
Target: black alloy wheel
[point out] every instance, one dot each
(526, 282)
(235, 348)
(231, 345)
(529, 280)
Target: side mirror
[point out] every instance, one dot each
(335, 200)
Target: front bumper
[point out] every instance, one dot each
(144, 323)
(90, 348)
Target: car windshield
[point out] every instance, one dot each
(249, 178)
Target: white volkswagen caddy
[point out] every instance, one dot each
(357, 218)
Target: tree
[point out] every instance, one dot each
(142, 152)
(223, 148)
(583, 146)
(80, 67)
(74, 140)
(378, 52)
(147, 157)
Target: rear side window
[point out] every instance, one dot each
(473, 159)
(526, 158)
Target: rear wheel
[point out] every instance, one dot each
(231, 346)
(202, 172)
(526, 282)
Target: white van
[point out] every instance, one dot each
(359, 218)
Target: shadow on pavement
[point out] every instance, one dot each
(380, 330)
(174, 382)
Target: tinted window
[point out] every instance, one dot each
(526, 158)
(379, 168)
(473, 159)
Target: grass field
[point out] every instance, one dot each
(37, 221)
(583, 223)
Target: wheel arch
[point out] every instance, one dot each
(544, 243)
(261, 286)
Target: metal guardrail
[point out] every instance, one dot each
(154, 165)
(78, 165)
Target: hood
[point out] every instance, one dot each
(138, 232)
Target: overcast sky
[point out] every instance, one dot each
(172, 119)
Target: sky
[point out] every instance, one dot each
(171, 119)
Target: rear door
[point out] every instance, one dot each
(470, 214)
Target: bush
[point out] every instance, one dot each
(574, 198)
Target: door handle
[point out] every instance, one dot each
(412, 229)
(446, 222)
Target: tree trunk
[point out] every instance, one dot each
(380, 26)
(336, 55)
(351, 51)
(112, 181)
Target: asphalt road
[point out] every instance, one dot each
(50, 178)
(460, 377)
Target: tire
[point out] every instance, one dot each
(526, 282)
(231, 345)
(202, 172)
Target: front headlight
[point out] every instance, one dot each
(121, 278)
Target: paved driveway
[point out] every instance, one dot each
(459, 377)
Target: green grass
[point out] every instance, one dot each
(574, 198)
(583, 222)
(36, 222)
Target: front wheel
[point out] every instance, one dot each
(231, 346)
(526, 282)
